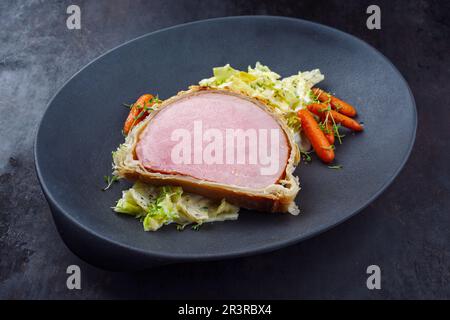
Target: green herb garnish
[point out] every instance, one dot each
(335, 127)
(155, 99)
(180, 227)
(109, 180)
(306, 156)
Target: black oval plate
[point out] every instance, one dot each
(83, 122)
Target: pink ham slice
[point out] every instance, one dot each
(218, 111)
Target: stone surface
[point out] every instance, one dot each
(405, 231)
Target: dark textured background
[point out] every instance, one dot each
(406, 231)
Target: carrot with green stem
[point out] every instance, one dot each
(138, 112)
(326, 124)
(336, 103)
(316, 136)
(328, 129)
(323, 111)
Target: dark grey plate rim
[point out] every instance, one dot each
(237, 253)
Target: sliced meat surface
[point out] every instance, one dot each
(211, 136)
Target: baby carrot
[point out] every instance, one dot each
(345, 121)
(317, 109)
(320, 110)
(329, 131)
(337, 104)
(137, 112)
(315, 135)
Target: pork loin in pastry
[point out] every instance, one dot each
(192, 140)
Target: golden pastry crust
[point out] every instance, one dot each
(277, 197)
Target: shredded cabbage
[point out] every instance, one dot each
(158, 206)
(285, 96)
